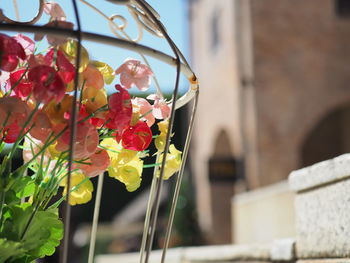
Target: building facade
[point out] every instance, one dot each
(275, 95)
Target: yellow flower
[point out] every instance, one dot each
(83, 193)
(112, 146)
(55, 111)
(173, 162)
(106, 71)
(160, 140)
(70, 50)
(53, 151)
(129, 174)
(117, 152)
(163, 126)
(94, 99)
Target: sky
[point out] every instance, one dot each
(173, 15)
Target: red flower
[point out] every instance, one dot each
(10, 52)
(11, 132)
(137, 137)
(65, 69)
(120, 109)
(23, 86)
(48, 84)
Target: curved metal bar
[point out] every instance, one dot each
(154, 214)
(95, 218)
(179, 179)
(6, 19)
(121, 43)
(73, 127)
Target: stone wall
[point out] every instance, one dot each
(301, 66)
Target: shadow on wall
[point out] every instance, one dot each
(329, 138)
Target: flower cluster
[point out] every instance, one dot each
(113, 133)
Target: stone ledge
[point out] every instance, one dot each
(326, 260)
(223, 253)
(319, 174)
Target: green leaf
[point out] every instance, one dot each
(16, 220)
(24, 186)
(42, 235)
(11, 198)
(9, 249)
(46, 231)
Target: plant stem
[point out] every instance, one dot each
(2, 200)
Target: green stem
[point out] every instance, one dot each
(2, 201)
(151, 165)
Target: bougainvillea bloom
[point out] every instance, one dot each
(20, 84)
(161, 109)
(144, 110)
(137, 137)
(65, 69)
(48, 85)
(133, 72)
(120, 109)
(11, 52)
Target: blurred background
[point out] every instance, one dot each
(274, 97)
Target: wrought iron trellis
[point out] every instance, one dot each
(146, 19)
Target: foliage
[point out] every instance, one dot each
(39, 93)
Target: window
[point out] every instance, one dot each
(215, 34)
(342, 8)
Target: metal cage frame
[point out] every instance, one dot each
(147, 19)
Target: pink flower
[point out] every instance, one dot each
(92, 77)
(55, 40)
(42, 127)
(132, 72)
(137, 137)
(12, 110)
(97, 163)
(11, 52)
(120, 109)
(13, 115)
(48, 85)
(27, 43)
(55, 11)
(145, 110)
(161, 109)
(86, 141)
